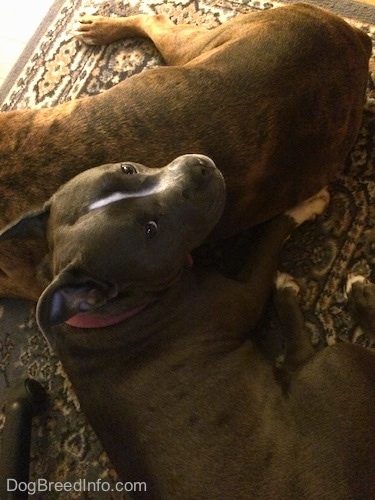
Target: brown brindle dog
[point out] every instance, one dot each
(274, 98)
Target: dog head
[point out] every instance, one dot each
(119, 235)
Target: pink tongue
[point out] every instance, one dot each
(89, 320)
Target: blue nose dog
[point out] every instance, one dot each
(160, 354)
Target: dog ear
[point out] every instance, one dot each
(30, 226)
(68, 294)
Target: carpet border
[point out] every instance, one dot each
(27, 52)
(346, 8)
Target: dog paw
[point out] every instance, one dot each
(309, 209)
(360, 294)
(101, 30)
(354, 278)
(285, 280)
(95, 30)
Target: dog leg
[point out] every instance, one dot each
(259, 272)
(177, 44)
(361, 301)
(298, 347)
(100, 30)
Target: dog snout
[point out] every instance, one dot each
(196, 168)
(202, 169)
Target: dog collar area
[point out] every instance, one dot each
(90, 320)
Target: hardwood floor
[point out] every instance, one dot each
(18, 22)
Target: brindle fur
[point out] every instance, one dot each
(275, 98)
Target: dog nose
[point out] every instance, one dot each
(194, 172)
(200, 167)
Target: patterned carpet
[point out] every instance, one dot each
(319, 254)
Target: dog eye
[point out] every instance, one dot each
(128, 169)
(151, 229)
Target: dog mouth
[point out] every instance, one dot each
(127, 303)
